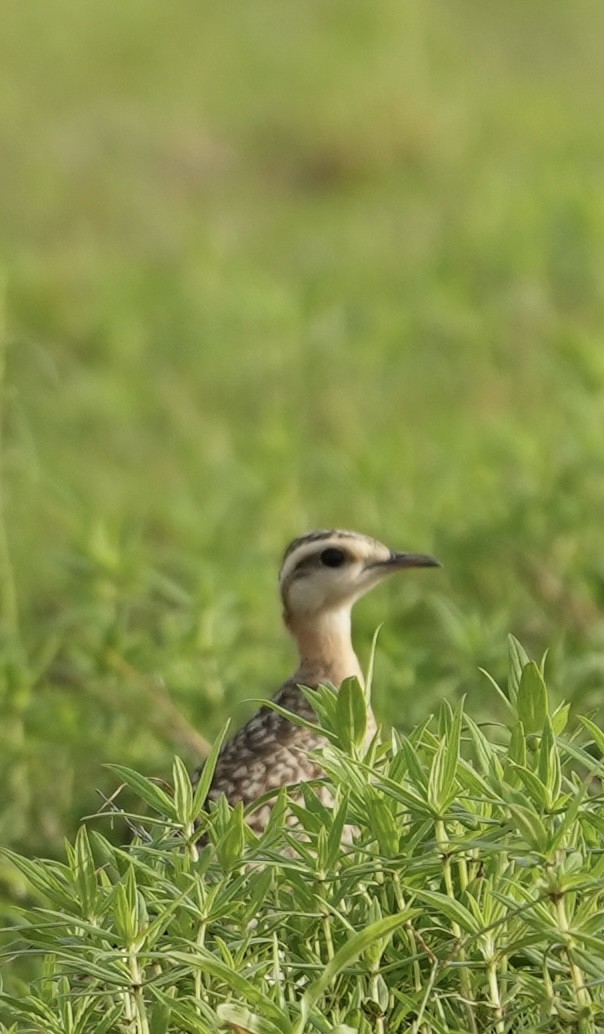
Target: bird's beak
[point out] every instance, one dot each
(397, 561)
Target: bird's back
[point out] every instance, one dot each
(267, 753)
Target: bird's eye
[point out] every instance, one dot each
(332, 557)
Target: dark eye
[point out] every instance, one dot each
(332, 557)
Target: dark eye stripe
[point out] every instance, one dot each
(330, 557)
(304, 563)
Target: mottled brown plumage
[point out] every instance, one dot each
(322, 575)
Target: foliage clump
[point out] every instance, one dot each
(471, 899)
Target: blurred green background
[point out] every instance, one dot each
(274, 266)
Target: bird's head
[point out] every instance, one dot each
(329, 570)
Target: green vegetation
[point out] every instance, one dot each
(269, 267)
(471, 900)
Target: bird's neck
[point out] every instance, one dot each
(325, 648)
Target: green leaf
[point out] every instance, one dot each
(435, 782)
(45, 877)
(185, 1014)
(454, 911)
(84, 873)
(406, 763)
(408, 798)
(383, 824)
(108, 1023)
(532, 785)
(334, 837)
(568, 819)
(125, 919)
(595, 730)
(183, 793)
(476, 783)
(531, 701)
(560, 718)
(157, 926)
(451, 758)
(517, 748)
(530, 826)
(230, 846)
(130, 909)
(504, 699)
(29, 1006)
(323, 700)
(351, 714)
(517, 661)
(441, 783)
(374, 951)
(207, 774)
(320, 700)
(444, 718)
(549, 763)
(202, 959)
(371, 664)
(151, 794)
(159, 1020)
(344, 956)
(485, 752)
(277, 815)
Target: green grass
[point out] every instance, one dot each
(269, 268)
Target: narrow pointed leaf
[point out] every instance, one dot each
(207, 773)
(498, 690)
(351, 714)
(535, 789)
(452, 909)
(183, 792)
(334, 837)
(371, 664)
(84, 872)
(532, 699)
(530, 826)
(451, 758)
(151, 794)
(595, 730)
(230, 847)
(517, 661)
(549, 763)
(560, 718)
(517, 749)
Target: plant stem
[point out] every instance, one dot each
(581, 994)
(443, 845)
(420, 1012)
(409, 932)
(463, 873)
(139, 1010)
(199, 941)
(495, 997)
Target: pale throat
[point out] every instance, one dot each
(325, 647)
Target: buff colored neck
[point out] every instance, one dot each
(325, 647)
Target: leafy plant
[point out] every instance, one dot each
(471, 899)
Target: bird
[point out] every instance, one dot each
(322, 575)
